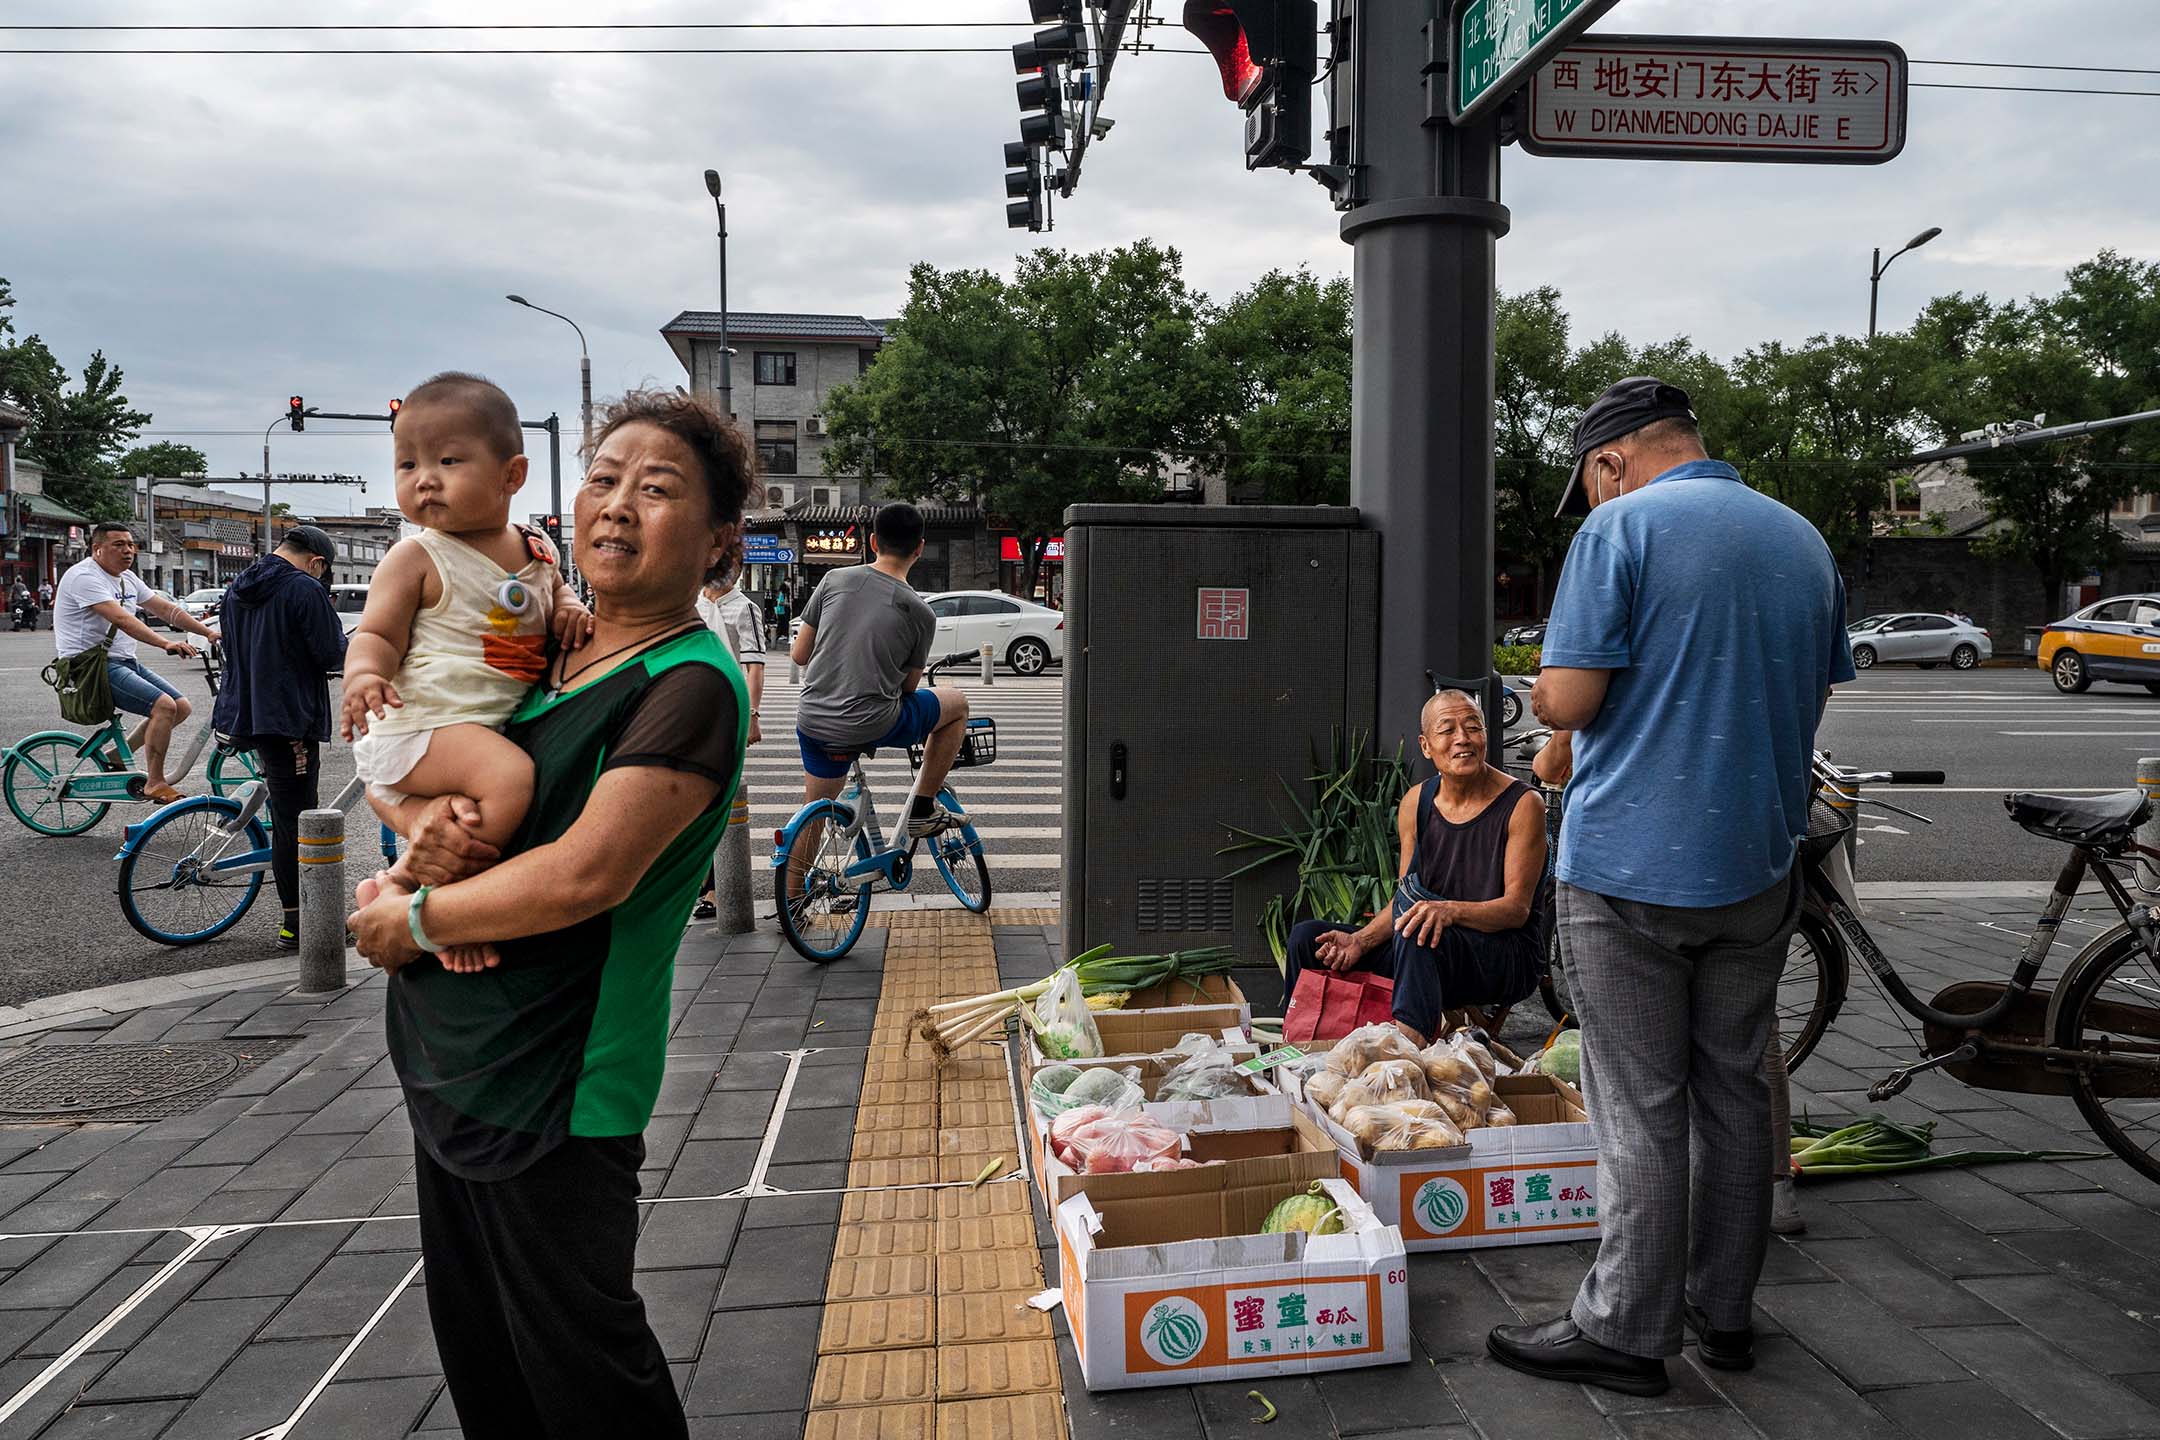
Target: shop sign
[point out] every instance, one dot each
(829, 544)
(1009, 549)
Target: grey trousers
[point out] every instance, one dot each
(1677, 1006)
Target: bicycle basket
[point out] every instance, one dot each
(1827, 827)
(979, 747)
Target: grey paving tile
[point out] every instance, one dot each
(241, 1207)
(732, 1115)
(711, 1167)
(68, 1270)
(2107, 1214)
(1500, 1401)
(1855, 1337)
(1453, 1307)
(18, 1327)
(815, 1137)
(134, 1420)
(664, 1137)
(167, 1198)
(1229, 1409)
(99, 1305)
(185, 1351)
(719, 1022)
(1886, 1274)
(1169, 1412)
(368, 1409)
(1789, 1395)
(825, 1087)
(844, 1015)
(1942, 1241)
(259, 1389)
(780, 999)
(800, 1208)
(17, 1190)
(1690, 1390)
(1537, 1280)
(1383, 1397)
(243, 1140)
(776, 1033)
(74, 1149)
(350, 1187)
(339, 1298)
(1699, 1424)
(402, 1345)
(392, 1135)
(718, 989)
(2052, 1385)
(754, 1070)
(2097, 1333)
(833, 1054)
(1786, 1262)
(59, 1395)
(784, 1266)
(678, 1304)
(1973, 1197)
(309, 1091)
(276, 1261)
(694, 1234)
(2125, 1280)
(1967, 1409)
(354, 1110)
(760, 1361)
(683, 1089)
(297, 1161)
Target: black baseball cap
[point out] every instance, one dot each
(1625, 407)
(312, 539)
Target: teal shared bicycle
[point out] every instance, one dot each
(63, 782)
(828, 858)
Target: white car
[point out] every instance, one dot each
(1920, 638)
(1020, 633)
(350, 601)
(199, 603)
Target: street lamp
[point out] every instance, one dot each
(584, 376)
(727, 355)
(1875, 272)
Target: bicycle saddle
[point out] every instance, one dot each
(2081, 819)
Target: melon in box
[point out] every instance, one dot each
(1167, 1281)
(1523, 1184)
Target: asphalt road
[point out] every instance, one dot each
(1991, 730)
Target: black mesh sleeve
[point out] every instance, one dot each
(687, 719)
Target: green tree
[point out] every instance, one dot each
(1071, 383)
(1277, 365)
(162, 461)
(76, 433)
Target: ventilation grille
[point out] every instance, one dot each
(1173, 905)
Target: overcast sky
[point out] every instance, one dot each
(235, 229)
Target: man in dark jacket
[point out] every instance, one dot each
(282, 637)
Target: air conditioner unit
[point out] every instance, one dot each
(815, 425)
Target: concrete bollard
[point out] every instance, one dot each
(2148, 871)
(989, 671)
(324, 900)
(731, 872)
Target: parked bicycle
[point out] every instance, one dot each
(1804, 987)
(831, 855)
(2094, 1037)
(63, 782)
(190, 872)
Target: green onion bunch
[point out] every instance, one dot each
(1874, 1145)
(949, 1026)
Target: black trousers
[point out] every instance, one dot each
(293, 771)
(540, 1329)
(1467, 967)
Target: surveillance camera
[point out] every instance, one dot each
(1101, 126)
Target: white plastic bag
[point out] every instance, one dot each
(1064, 1026)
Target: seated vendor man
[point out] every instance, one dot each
(1466, 928)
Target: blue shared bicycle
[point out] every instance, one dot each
(189, 872)
(828, 859)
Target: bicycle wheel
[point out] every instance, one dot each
(822, 908)
(230, 769)
(168, 891)
(959, 856)
(35, 798)
(1553, 986)
(2112, 1013)
(1812, 987)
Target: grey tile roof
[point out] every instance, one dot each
(804, 512)
(790, 324)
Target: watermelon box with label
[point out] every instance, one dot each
(1168, 1280)
(1523, 1184)
(1261, 1107)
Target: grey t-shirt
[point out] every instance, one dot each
(871, 631)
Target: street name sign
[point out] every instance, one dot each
(1494, 45)
(1686, 97)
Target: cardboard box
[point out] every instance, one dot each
(1167, 1282)
(1212, 992)
(1297, 1149)
(1262, 1108)
(1524, 1184)
(1129, 1033)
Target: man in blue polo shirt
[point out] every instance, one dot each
(1697, 631)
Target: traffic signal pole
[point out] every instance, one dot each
(1424, 218)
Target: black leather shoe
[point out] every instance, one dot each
(1556, 1350)
(1719, 1349)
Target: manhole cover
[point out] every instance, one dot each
(62, 1083)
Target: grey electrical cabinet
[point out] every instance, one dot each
(1210, 653)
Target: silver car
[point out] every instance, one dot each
(1921, 638)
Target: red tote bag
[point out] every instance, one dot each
(1326, 1006)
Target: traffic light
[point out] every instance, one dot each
(296, 411)
(1265, 50)
(395, 406)
(1042, 108)
(551, 526)
(1023, 187)
(1056, 45)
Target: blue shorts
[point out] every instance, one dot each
(919, 712)
(135, 688)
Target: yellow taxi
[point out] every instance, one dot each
(2117, 639)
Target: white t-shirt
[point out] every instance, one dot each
(76, 627)
(734, 618)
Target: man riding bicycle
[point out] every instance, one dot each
(99, 596)
(864, 641)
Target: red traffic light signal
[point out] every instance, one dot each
(1266, 52)
(395, 407)
(296, 411)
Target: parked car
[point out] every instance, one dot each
(350, 600)
(1920, 638)
(202, 604)
(2116, 639)
(1022, 634)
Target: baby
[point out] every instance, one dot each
(457, 620)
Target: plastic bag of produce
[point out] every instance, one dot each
(1064, 1026)
(1097, 1085)
(1117, 1142)
(1394, 1080)
(1391, 1127)
(1209, 1072)
(1366, 1045)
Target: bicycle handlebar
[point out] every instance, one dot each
(1916, 777)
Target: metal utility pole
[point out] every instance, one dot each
(727, 355)
(584, 376)
(1425, 215)
(1878, 265)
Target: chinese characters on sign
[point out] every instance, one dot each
(1224, 614)
(1497, 42)
(1561, 1195)
(832, 542)
(1673, 97)
(1274, 1320)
